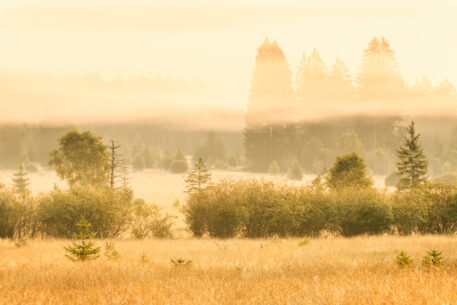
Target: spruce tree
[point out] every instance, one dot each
(84, 250)
(295, 172)
(21, 182)
(274, 169)
(412, 167)
(198, 179)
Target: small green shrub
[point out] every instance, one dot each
(403, 259)
(433, 257)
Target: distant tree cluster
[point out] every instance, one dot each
(277, 108)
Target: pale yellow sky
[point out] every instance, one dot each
(217, 40)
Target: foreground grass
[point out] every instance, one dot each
(326, 271)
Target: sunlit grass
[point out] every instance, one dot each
(360, 270)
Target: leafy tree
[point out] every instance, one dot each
(295, 172)
(198, 178)
(84, 250)
(21, 182)
(412, 167)
(81, 158)
(349, 171)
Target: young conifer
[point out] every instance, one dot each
(84, 250)
(412, 167)
(198, 178)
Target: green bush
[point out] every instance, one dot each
(17, 215)
(105, 209)
(148, 220)
(258, 209)
(362, 212)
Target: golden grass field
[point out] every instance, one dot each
(330, 270)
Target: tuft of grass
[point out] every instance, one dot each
(303, 242)
(110, 250)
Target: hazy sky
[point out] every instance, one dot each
(217, 40)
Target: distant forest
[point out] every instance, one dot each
(309, 118)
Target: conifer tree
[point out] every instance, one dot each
(295, 172)
(412, 167)
(21, 182)
(274, 169)
(198, 179)
(84, 250)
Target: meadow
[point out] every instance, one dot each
(331, 270)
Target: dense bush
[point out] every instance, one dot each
(105, 209)
(362, 212)
(255, 209)
(17, 215)
(147, 220)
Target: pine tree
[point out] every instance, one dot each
(274, 169)
(84, 250)
(198, 179)
(413, 165)
(379, 78)
(295, 172)
(21, 182)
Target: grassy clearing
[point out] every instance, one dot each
(360, 270)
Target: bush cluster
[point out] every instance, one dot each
(56, 214)
(258, 208)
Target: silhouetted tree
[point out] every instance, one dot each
(198, 178)
(412, 166)
(349, 171)
(21, 182)
(81, 158)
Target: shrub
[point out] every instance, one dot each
(148, 220)
(107, 210)
(433, 257)
(362, 212)
(18, 215)
(403, 259)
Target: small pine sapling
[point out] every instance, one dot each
(84, 250)
(433, 257)
(403, 259)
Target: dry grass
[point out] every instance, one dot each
(326, 271)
